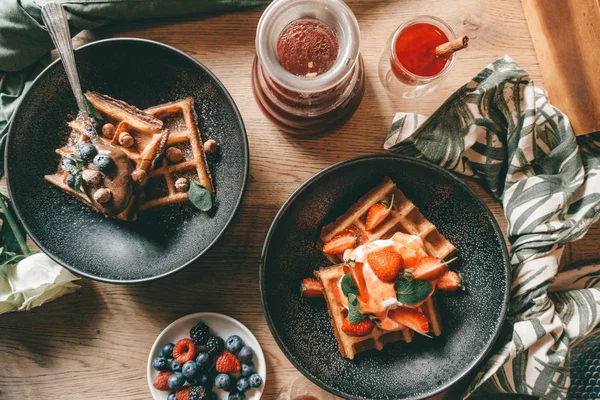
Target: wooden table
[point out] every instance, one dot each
(95, 343)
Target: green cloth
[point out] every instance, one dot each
(24, 40)
(501, 129)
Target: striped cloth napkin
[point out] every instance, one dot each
(501, 129)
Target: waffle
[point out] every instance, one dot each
(405, 217)
(149, 139)
(181, 120)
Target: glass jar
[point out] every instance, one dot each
(308, 104)
(302, 389)
(396, 78)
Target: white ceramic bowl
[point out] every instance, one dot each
(220, 325)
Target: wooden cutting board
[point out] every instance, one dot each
(566, 36)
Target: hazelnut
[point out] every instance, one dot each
(125, 139)
(108, 130)
(91, 176)
(210, 146)
(102, 195)
(174, 154)
(182, 184)
(139, 176)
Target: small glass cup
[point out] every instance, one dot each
(298, 104)
(398, 80)
(302, 389)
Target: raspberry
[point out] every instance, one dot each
(199, 334)
(161, 381)
(183, 393)
(228, 363)
(197, 393)
(184, 351)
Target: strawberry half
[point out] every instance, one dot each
(412, 319)
(378, 212)
(385, 263)
(429, 268)
(341, 242)
(450, 282)
(311, 287)
(363, 328)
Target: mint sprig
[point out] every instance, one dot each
(76, 170)
(199, 196)
(350, 289)
(413, 291)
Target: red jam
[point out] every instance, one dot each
(414, 50)
(307, 47)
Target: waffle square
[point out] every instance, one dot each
(406, 218)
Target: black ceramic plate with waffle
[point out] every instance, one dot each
(143, 73)
(471, 319)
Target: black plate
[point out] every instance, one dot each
(471, 319)
(143, 73)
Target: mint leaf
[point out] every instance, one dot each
(354, 314)
(348, 285)
(199, 196)
(92, 111)
(412, 292)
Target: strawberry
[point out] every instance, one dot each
(341, 242)
(228, 363)
(450, 282)
(183, 393)
(411, 319)
(363, 328)
(385, 263)
(378, 212)
(429, 268)
(311, 287)
(184, 350)
(161, 381)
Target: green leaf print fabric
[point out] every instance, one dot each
(501, 129)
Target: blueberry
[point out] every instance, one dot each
(201, 380)
(175, 366)
(212, 396)
(176, 380)
(255, 380)
(103, 162)
(167, 350)
(172, 396)
(245, 355)
(66, 163)
(223, 381)
(189, 369)
(71, 181)
(242, 385)
(160, 364)
(86, 150)
(247, 369)
(234, 343)
(204, 361)
(237, 396)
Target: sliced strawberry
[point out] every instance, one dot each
(341, 242)
(450, 282)
(359, 280)
(385, 263)
(363, 328)
(377, 213)
(311, 287)
(429, 268)
(412, 319)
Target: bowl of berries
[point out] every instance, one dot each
(206, 356)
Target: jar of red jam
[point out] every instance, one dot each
(308, 75)
(409, 66)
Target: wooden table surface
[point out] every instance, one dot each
(95, 343)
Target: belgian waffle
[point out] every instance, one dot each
(405, 217)
(147, 131)
(181, 120)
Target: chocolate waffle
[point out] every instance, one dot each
(405, 217)
(149, 137)
(181, 120)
